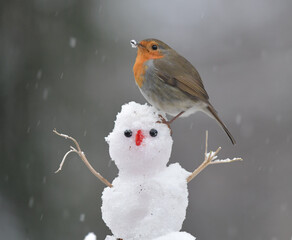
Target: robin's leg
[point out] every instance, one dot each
(177, 116)
(163, 120)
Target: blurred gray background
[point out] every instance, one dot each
(67, 64)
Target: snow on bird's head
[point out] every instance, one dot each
(138, 143)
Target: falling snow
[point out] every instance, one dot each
(31, 202)
(238, 119)
(39, 74)
(45, 93)
(72, 42)
(82, 217)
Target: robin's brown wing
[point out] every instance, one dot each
(179, 72)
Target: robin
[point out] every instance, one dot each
(171, 83)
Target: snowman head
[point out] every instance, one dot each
(138, 144)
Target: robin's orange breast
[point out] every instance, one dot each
(139, 72)
(140, 67)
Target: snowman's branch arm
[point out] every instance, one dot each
(206, 143)
(63, 160)
(68, 137)
(207, 161)
(197, 171)
(83, 158)
(95, 173)
(210, 158)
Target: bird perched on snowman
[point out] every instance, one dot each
(148, 199)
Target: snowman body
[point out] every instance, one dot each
(148, 198)
(147, 207)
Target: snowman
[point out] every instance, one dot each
(148, 199)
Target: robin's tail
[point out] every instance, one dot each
(214, 114)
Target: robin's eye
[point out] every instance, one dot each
(154, 47)
(128, 133)
(153, 132)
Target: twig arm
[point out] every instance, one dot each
(210, 158)
(83, 158)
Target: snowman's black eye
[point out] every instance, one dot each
(128, 133)
(153, 132)
(154, 47)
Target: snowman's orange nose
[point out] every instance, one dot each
(139, 138)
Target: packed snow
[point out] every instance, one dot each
(170, 236)
(148, 199)
(133, 43)
(153, 153)
(176, 236)
(90, 236)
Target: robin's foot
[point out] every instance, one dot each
(164, 121)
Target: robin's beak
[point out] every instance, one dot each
(140, 45)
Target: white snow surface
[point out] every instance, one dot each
(153, 153)
(110, 238)
(90, 236)
(169, 236)
(148, 199)
(133, 43)
(176, 236)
